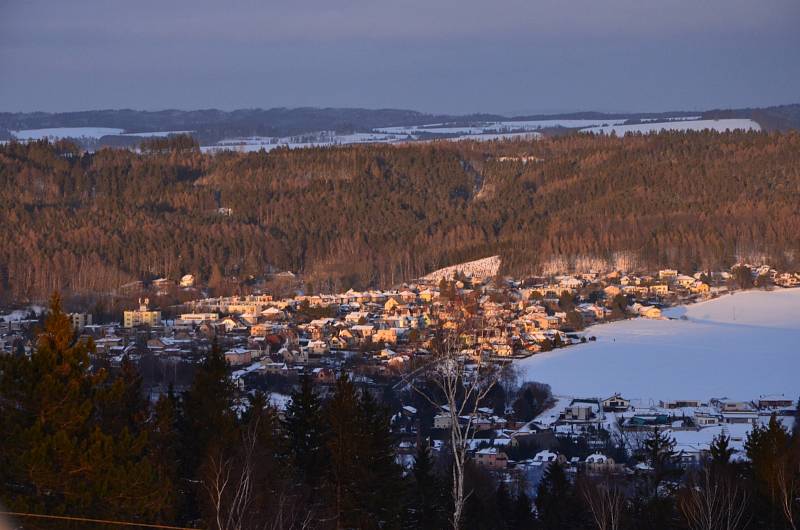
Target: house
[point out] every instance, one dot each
(682, 404)
(388, 336)
(667, 274)
(491, 458)
(646, 311)
(581, 410)
(615, 403)
(238, 356)
(705, 419)
(774, 402)
(599, 463)
(549, 457)
(442, 421)
(660, 289)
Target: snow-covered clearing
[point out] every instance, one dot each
(65, 132)
(279, 401)
(687, 125)
(318, 139)
(487, 137)
(156, 134)
(21, 314)
(479, 268)
(497, 127)
(738, 346)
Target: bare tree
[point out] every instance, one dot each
(787, 482)
(605, 500)
(463, 386)
(713, 501)
(228, 481)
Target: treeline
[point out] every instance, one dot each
(374, 215)
(80, 441)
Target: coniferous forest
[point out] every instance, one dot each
(88, 222)
(80, 441)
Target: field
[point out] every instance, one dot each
(738, 346)
(678, 125)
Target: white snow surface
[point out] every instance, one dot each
(496, 127)
(487, 137)
(738, 346)
(156, 134)
(57, 133)
(316, 139)
(479, 268)
(687, 125)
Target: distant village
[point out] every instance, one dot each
(381, 338)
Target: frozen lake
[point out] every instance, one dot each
(738, 346)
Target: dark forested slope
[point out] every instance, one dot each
(377, 214)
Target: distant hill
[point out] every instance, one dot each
(212, 125)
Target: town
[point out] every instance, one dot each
(384, 339)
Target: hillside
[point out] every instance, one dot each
(366, 215)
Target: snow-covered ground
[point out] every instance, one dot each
(685, 125)
(156, 134)
(738, 346)
(497, 127)
(65, 132)
(480, 268)
(319, 139)
(487, 137)
(21, 314)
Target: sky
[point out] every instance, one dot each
(448, 56)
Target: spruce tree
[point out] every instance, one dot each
(345, 445)
(522, 513)
(67, 448)
(382, 478)
(556, 501)
(207, 423)
(428, 499)
(305, 433)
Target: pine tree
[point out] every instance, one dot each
(345, 445)
(775, 468)
(428, 498)
(556, 501)
(659, 451)
(522, 513)
(503, 504)
(720, 451)
(207, 423)
(69, 449)
(306, 433)
(382, 480)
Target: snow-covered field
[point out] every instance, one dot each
(684, 125)
(65, 132)
(487, 137)
(156, 134)
(496, 127)
(319, 139)
(738, 346)
(480, 268)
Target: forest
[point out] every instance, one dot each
(375, 215)
(80, 441)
